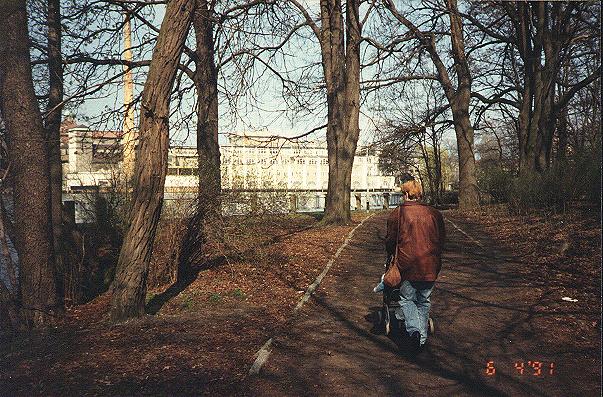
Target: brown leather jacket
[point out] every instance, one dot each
(420, 240)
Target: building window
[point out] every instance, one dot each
(80, 189)
(106, 153)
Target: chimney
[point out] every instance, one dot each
(129, 133)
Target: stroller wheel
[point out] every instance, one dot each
(378, 322)
(387, 320)
(431, 326)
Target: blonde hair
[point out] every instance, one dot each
(413, 189)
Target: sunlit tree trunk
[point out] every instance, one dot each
(129, 286)
(206, 83)
(459, 103)
(341, 67)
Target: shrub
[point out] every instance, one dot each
(496, 182)
(546, 191)
(450, 197)
(554, 188)
(588, 176)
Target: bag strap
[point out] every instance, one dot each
(395, 260)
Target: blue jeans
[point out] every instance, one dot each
(414, 306)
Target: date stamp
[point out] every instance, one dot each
(525, 368)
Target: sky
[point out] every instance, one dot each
(267, 115)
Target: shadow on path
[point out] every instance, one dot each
(484, 311)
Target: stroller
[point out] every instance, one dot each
(391, 299)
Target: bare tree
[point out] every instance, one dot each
(534, 42)
(415, 118)
(29, 159)
(339, 34)
(459, 97)
(129, 286)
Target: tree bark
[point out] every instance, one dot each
(129, 286)
(437, 163)
(341, 67)
(206, 83)
(561, 154)
(53, 129)
(528, 52)
(28, 154)
(9, 311)
(468, 190)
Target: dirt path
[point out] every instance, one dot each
(484, 311)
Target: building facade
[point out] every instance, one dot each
(299, 170)
(256, 163)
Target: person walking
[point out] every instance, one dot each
(415, 238)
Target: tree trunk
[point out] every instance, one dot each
(547, 130)
(561, 154)
(29, 159)
(53, 128)
(129, 286)
(437, 159)
(341, 158)
(525, 140)
(428, 167)
(468, 190)
(341, 66)
(209, 209)
(544, 87)
(526, 133)
(206, 83)
(9, 311)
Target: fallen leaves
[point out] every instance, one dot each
(205, 346)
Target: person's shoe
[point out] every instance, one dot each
(415, 342)
(379, 287)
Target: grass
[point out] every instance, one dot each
(150, 296)
(238, 294)
(188, 303)
(215, 297)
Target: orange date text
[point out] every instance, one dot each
(526, 368)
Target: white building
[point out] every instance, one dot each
(251, 163)
(92, 162)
